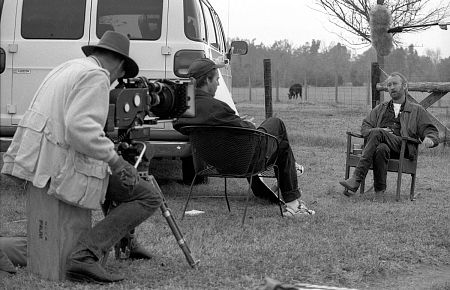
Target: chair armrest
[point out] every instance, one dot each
(357, 135)
(411, 140)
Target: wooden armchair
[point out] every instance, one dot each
(401, 165)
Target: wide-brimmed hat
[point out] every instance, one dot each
(120, 44)
(201, 67)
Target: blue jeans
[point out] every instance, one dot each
(136, 204)
(287, 173)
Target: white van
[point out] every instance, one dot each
(166, 36)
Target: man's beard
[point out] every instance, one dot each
(397, 95)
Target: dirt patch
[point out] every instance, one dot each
(425, 277)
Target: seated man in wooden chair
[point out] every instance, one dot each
(210, 111)
(383, 130)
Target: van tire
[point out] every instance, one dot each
(188, 171)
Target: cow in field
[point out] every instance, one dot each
(295, 91)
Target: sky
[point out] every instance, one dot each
(299, 22)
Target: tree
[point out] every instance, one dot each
(339, 58)
(444, 70)
(353, 15)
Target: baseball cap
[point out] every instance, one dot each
(202, 66)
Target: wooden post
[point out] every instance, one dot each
(53, 228)
(268, 88)
(305, 86)
(375, 73)
(277, 92)
(336, 81)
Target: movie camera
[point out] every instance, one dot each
(137, 103)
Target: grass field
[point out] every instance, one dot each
(350, 242)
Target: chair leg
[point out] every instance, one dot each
(226, 195)
(189, 197)
(362, 186)
(347, 172)
(246, 202)
(399, 185)
(413, 185)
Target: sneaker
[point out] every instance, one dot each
(300, 169)
(299, 211)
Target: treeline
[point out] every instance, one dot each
(325, 66)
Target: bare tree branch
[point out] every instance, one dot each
(353, 15)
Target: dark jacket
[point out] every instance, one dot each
(414, 120)
(210, 111)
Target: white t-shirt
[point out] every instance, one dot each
(397, 109)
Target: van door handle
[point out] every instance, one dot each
(166, 50)
(13, 48)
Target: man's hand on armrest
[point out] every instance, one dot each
(250, 120)
(427, 142)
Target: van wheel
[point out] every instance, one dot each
(188, 170)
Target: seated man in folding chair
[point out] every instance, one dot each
(210, 111)
(383, 130)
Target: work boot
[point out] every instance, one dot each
(129, 248)
(83, 266)
(137, 251)
(350, 184)
(378, 194)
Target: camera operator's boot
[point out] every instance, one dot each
(129, 248)
(83, 266)
(137, 251)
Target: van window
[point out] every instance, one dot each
(138, 19)
(194, 24)
(220, 33)
(53, 19)
(210, 29)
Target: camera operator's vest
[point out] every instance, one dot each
(39, 153)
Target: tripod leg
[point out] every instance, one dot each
(173, 226)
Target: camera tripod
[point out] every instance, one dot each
(123, 247)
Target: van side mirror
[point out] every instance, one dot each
(238, 47)
(2, 60)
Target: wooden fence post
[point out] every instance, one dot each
(268, 88)
(277, 90)
(375, 73)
